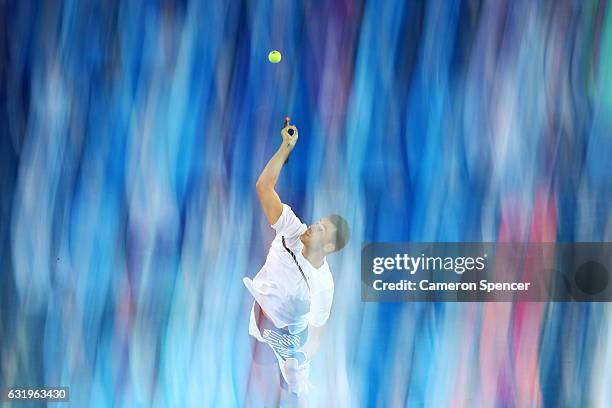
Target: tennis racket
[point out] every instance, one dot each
(290, 131)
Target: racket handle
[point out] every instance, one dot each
(290, 131)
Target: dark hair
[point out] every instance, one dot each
(343, 232)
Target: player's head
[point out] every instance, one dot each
(329, 234)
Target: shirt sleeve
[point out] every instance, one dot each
(320, 307)
(288, 224)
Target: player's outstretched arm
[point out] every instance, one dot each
(270, 201)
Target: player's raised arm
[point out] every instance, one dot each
(270, 201)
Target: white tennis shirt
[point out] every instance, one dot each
(279, 287)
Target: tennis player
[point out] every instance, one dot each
(293, 291)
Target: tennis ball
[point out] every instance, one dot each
(274, 57)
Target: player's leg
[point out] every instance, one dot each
(262, 387)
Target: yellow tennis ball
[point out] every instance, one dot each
(274, 57)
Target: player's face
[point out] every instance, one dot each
(320, 235)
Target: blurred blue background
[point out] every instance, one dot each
(132, 134)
